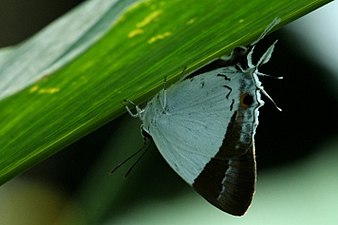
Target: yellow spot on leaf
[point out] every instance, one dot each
(43, 90)
(159, 37)
(191, 21)
(33, 89)
(48, 90)
(135, 32)
(151, 17)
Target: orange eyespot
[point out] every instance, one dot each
(246, 100)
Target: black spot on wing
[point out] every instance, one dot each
(202, 84)
(230, 90)
(232, 104)
(224, 76)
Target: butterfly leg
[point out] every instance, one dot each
(139, 111)
(164, 99)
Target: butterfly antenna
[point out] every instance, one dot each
(143, 150)
(126, 160)
(138, 160)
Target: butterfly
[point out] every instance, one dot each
(204, 126)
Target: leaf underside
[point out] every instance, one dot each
(71, 77)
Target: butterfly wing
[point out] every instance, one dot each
(190, 130)
(198, 130)
(229, 183)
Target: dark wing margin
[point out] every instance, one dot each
(228, 180)
(229, 184)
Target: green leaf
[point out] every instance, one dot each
(71, 78)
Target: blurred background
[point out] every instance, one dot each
(297, 149)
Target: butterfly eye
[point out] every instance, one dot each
(246, 100)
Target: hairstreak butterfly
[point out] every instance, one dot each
(204, 126)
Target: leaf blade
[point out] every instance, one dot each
(73, 94)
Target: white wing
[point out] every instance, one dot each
(191, 129)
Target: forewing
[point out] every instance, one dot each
(191, 130)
